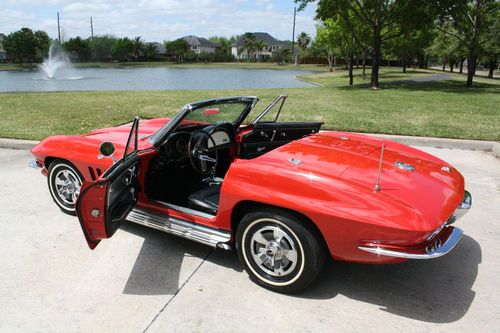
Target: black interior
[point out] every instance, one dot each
(206, 199)
(172, 179)
(267, 136)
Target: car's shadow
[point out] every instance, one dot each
(156, 270)
(437, 291)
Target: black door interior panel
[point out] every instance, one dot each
(268, 136)
(122, 197)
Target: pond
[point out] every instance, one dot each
(151, 78)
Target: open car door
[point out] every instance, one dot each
(103, 205)
(267, 133)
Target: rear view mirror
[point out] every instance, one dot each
(107, 149)
(208, 112)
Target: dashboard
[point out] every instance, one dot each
(175, 149)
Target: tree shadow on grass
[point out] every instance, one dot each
(447, 86)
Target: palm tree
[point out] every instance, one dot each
(303, 40)
(249, 41)
(259, 45)
(151, 51)
(137, 47)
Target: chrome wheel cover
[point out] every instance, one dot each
(273, 250)
(67, 186)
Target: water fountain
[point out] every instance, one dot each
(56, 59)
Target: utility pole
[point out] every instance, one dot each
(91, 38)
(293, 31)
(91, 30)
(58, 28)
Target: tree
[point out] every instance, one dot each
(337, 41)
(469, 19)
(282, 55)
(223, 52)
(303, 41)
(102, 47)
(178, 48)
(249, 41)
(138, 47)
(42, 44)
(411, 46)
(385, 19)
(78, 49)
(22, 46)
(123, 49)
(259, 45)
(491, 44)
(151, 51)
(328, 39)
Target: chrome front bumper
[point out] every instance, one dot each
(435, 248)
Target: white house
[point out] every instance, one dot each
(271, 45)
(3, 54)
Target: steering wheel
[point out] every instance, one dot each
(198, 150)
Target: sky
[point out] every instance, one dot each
(157, 20)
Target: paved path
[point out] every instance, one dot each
(144, 280)
(430, 78)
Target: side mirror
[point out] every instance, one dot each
(107, 149)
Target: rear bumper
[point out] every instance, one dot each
(436, 251)
(439, 243)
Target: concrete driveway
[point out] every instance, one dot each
(145, 280)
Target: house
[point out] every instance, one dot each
(3, 54)
(271, 45)
(200, 45)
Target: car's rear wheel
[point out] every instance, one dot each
(279, 250)
(65, 183)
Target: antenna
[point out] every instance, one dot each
(377, 185)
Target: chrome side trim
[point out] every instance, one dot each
(182, 228)
(185, 210)
(441, 251)
(35, 165)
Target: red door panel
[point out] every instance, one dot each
(91, 210)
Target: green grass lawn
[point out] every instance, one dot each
(439, 109)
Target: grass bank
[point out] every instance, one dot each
(437, 108)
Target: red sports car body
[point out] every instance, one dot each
(282, 194)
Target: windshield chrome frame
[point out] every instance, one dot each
(163, 133)
(270, 107)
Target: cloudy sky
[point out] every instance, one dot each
(156, 20)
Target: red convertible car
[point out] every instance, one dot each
(283, 194)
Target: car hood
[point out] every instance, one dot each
(118, 135)
(432, 191)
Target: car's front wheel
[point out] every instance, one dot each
(279, 250)
(64, 182)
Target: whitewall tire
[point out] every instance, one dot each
(280, 251)
(64, 181)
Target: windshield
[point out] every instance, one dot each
(213, 113)
(231, 109)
